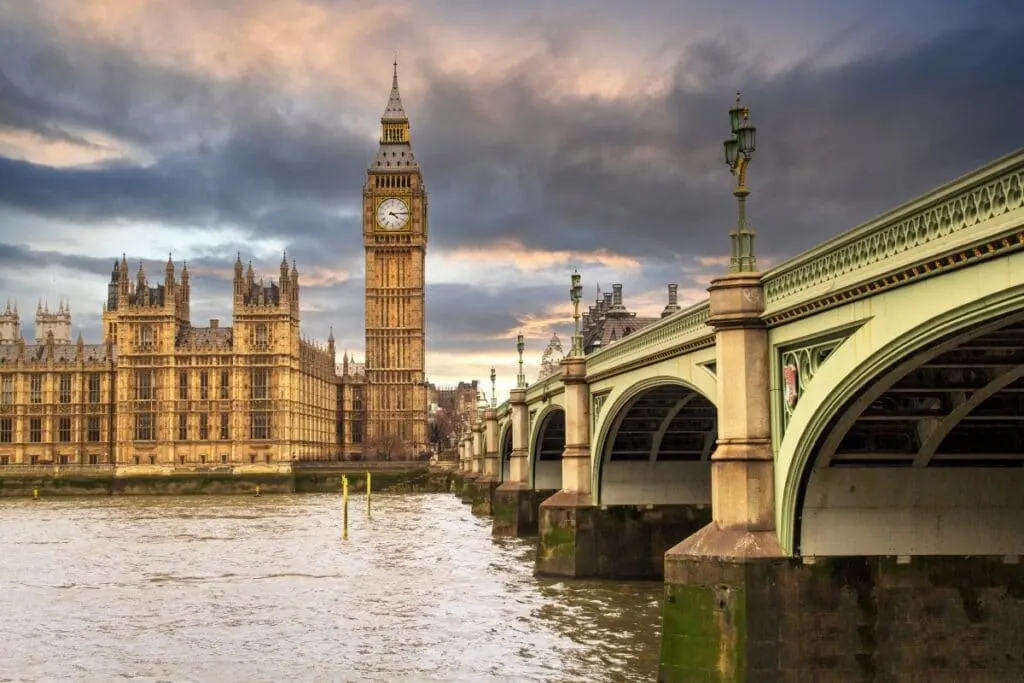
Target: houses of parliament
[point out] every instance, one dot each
(159, 390)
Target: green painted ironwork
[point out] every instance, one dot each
(947, 214)
(597, 402)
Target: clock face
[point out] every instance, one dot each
(392, 214)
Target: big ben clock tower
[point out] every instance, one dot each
(395, 240)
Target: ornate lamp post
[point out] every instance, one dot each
(520, 347)
(494, 396)
(576, 295)
(739, 148)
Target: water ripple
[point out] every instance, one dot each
(266, 589)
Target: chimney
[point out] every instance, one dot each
(673, 301)
(214, 323)
(617, 309)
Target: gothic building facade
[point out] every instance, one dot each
(161, 391)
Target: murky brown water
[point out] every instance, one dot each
(264, 589)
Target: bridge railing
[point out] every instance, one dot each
(944, 221)
(502, 410)
(544, 387)
(679, 329)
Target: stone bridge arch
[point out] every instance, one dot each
(918, 449)
(654, 446)
(504, 451)
(547, 441)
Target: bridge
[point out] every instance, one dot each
(823, 461)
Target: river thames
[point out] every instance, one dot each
(265, 589)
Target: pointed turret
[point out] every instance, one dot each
(284, 298)
(184, 280)
(141, 293)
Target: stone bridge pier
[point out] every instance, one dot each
(472, 463)
(515, 502)
(622, 530)
(481, 479)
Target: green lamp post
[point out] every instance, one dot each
(576, 295)
(520, 347)
(739, 148)
(494, 395)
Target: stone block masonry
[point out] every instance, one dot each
(482, 495)
(614, 542)
(848, 620)
(516, 510)
(414, 480)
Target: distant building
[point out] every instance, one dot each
(453, 406)
(607, 320)
(551, 359)
(351, 406)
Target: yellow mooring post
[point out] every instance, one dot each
(35, 493)
(369, 487)
(344, 502)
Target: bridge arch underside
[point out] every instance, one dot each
(505, 453)
(658, 449)
(928, 461)
(548, 447)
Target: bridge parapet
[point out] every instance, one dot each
(548, 386)
(502, 411)
(972, 218)
(670, 336)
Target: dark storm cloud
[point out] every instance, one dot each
(18, 257)
(836, 147)
(639, 176)
(224, 150)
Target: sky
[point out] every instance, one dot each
(553, 134)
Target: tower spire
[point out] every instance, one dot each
(395, 153)
(394, 110)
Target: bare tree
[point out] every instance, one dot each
(387, 446)
(446, 428)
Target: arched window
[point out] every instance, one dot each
(262, 338)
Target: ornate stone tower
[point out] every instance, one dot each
(10, 324)
(58, 323)
(395, 239)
